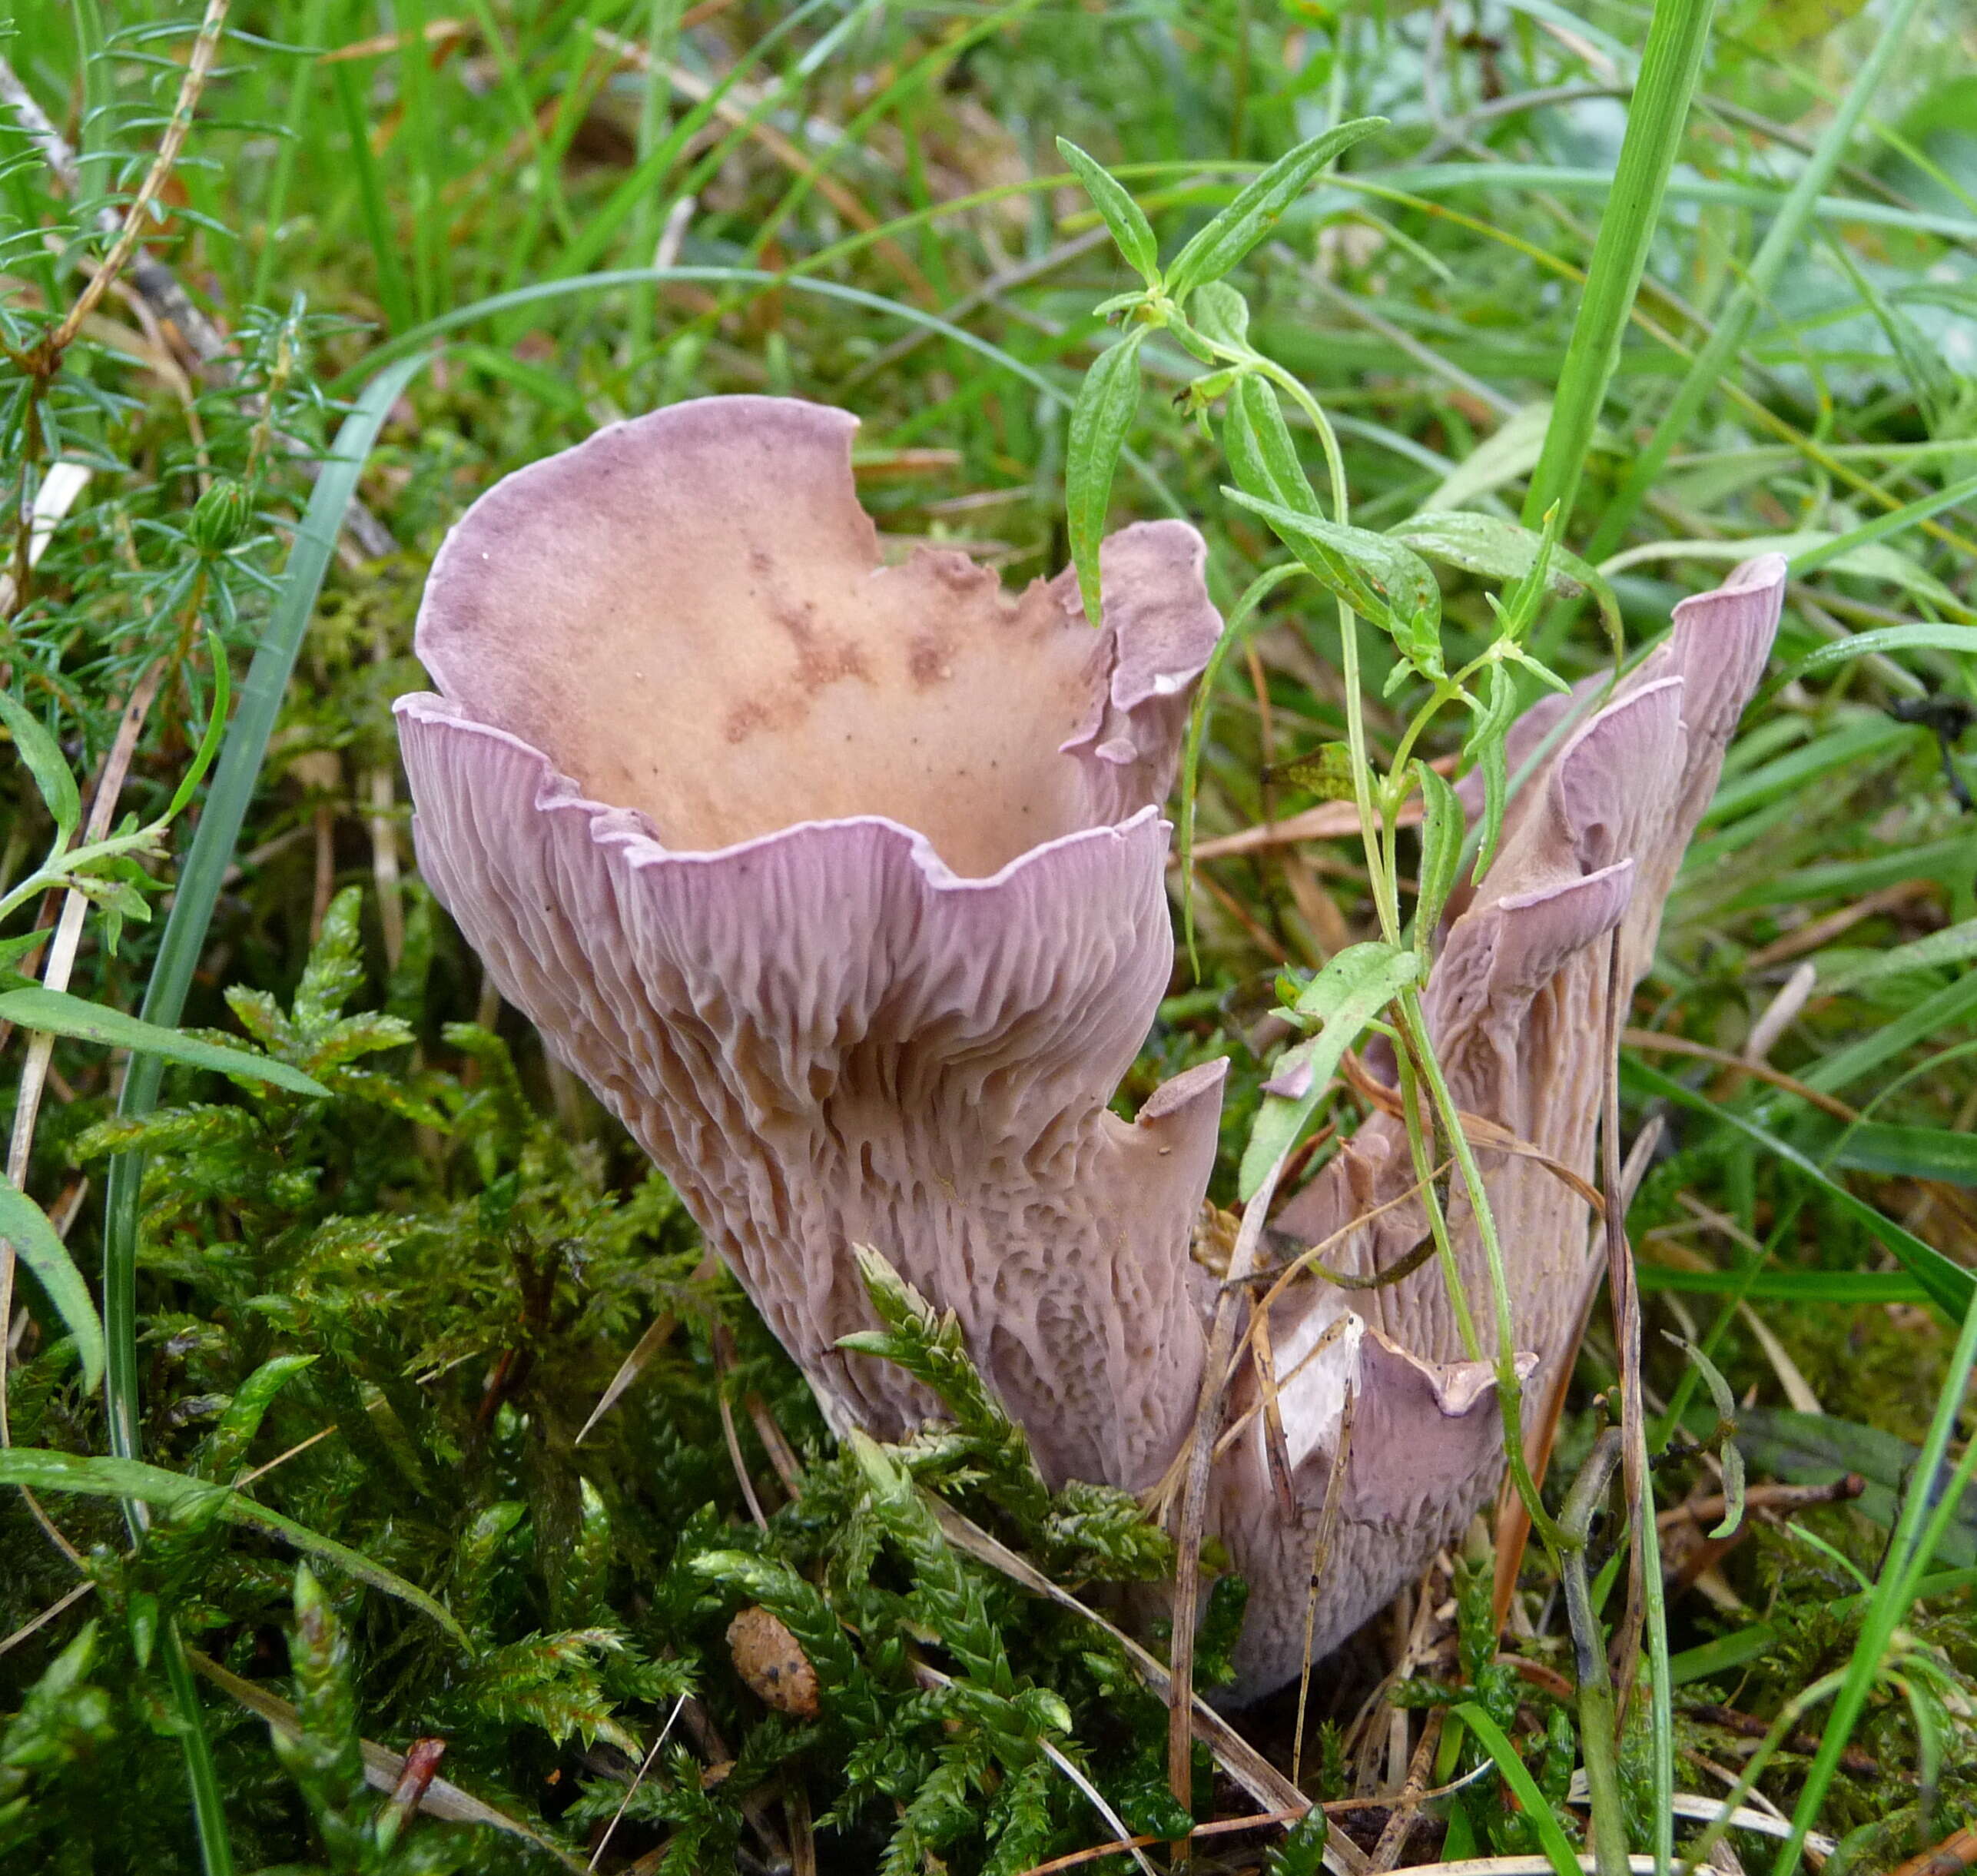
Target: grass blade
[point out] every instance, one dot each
(1950, 1287)
(1754, 291)
(205, 868)
(1677, 37)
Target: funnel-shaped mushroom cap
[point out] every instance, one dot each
(1517, 1006)
(842, 885)
(687, 615)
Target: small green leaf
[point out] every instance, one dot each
(1343, 998)
(45, 761)
(1263, 456)
(1486, 745)
(1383, 582)
(1100, 420)
(1245, 222)
(60, 1015)
(1325, 772)
(1221, 314)
(1123, 216)
(1732, 1458)
(1499, 549)
(1442, 830)
(216, 727)
(25, 1225)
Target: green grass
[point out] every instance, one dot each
(404, 1302)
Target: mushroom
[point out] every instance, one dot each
(1518, 1008)
(841, 884)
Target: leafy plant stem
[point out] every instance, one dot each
(1670, 63)
(1754, 290)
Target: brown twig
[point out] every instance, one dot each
(1955, 1853)
(1393, 1839)
(205, 49)
(1194, 1503)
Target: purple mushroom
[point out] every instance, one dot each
(842, 885)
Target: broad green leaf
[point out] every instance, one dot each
(1262, 457)
(182, 1496)
(1344, 997)
(1386, 583)
(1219, 312)
(1948, 1284)
(1122, 215)
(25, 1225)
(1442, 830)
(1960, 639)
(45, 762)
(1100, 420)
(61, 1015)
(1502, 550)
(1325, 772)
(1239, 227)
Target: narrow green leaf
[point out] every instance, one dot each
(43, 757)
(216, 728)
(1960, 639)
(1385, 582)
(61, 1015)
(1239, 227)
(1344, 997)
(1728, 1451)
(1953, 944)
(1910, 1152)
(1122, 216)
(1262, 457)
(1442, 830)
(1500, 550)
(1537, 1807)
(1100, 420)
(1756, 289)
(25, 1225)
(1838, 1287)
(1487, 745)
(177, 1493)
